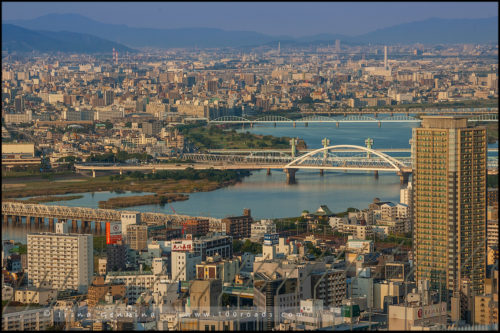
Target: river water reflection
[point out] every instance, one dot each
(268, 196)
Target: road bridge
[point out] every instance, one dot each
(17, 210)
(347, 118)
(334, 158)
(340, 157)
(402, 110)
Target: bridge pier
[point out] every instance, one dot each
(6, 219)
(74, 226)
(16, 220)
(28, 222)
(375, 174)
(290, 176)
(321, 172)
(294, 124)
(121, 172)
(337, 124)
(51, 224)
(268, 171)
(306, 124)
(93, 173)
(379, 124)
(98, 227)
(85, 226)
(251, 125)
(274, 124)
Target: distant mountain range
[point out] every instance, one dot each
(19, 39)
(431, 31)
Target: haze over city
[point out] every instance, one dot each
(249, 166)
(275, 18)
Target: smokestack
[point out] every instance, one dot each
(385, 57)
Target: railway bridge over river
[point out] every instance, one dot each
(15, 212)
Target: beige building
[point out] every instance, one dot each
(216, 268)
(486, 306)
(204, 296)
(29, 320)
(449, 183)
(184, 265)
(406, 318)
(34, 295)
(137, 236)
(66, 261)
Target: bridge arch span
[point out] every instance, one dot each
(230, 119)
(397, 165)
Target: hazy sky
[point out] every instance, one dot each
(274, 18)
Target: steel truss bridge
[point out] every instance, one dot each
(339, 157)
(87, 214)
(400, 118)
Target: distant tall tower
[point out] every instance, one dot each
(337, 45)
(279, 47)
(113, 54)
(385, 57)
(116, 58)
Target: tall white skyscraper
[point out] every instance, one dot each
(66, 261)
(385, 57)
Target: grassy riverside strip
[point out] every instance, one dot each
(50, 198)
(176, 182)
(213, 137)
(139, 200)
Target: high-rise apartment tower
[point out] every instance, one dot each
(449, 189)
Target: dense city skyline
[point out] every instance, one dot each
(200, 179)
(294, 19)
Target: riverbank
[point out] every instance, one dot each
(51, 198)
(192, 181)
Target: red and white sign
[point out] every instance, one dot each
(182, 245)
(113, 232)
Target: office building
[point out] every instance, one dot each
(116, 257)
(449, 184)
(128, 218)
(19, 104)
(239, 226)
(66, 261)
(418, 312)
(108, 97)
(184, 265)
(259, 229)
(216, 268)
(137, 236)
(98, 290)
(29, 320)
(212, 244)
(273, 301)
(152, 128)
(204, 295)
(196, 227)
(486, 305)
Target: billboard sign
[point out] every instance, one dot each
(182, 245)
(113, 232)
(271, 239)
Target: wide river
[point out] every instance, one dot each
(268, 196)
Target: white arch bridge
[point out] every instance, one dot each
(334, 158)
